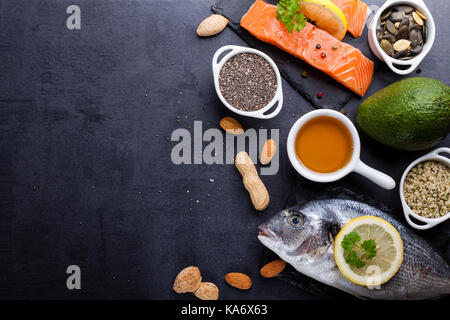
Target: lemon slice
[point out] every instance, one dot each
(326, 15)
(388, 259)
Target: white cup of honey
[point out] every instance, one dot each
(324, 146)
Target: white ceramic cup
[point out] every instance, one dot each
(234, 50)
(391, 62)
(354, 165)
(428, 222)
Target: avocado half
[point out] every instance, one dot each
(411, 114)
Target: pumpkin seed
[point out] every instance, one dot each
(400, 54)
(396, 16)
(390, 52)
(405, 22)
(420, 37)
(386, 14)
(425, 33)
(417, 19)
(404, 9)
(421, 15)
(390, 26)
(379, 34)
(403, 33)
(386, 45)
(414, 38)
(402, 45)
(389, 37)
(413, 27)
(417, 50)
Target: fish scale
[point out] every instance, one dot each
(424, 273)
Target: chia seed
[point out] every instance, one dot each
(247, 82)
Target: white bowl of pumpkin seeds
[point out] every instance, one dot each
(398, 49)
(425, 190)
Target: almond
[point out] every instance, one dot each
(212, 25)
(207, 291)
(273, 268)
(231, 125)
(238, 280)
(268, 151)
(188, 280)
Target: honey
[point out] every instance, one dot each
(324, 144)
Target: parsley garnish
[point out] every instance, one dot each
(288, 13)
(367, 250)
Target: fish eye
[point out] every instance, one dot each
(296, 220)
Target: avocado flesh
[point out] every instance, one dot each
(412, 114)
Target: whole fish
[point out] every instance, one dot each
(307, 243)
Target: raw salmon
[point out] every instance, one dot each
(341, 61)
(355, 11)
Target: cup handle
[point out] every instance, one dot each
(279, 99)
(437, 152)
(426, 226)
(381, 179)
(403, 72)
(215, 63)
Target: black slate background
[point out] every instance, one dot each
(85, 170)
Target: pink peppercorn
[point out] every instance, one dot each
(323, 55)
(320, 95)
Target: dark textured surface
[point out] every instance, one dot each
(86, 175)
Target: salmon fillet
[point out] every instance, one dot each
(355, 11)
(346, 64)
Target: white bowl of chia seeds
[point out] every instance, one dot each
(424, 190)
(247, 82)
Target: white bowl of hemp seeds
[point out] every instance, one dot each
(247, 82)
(425, 190)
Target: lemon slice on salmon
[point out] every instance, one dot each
(326, 15)
(389, 251)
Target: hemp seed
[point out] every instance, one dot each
(427, 189)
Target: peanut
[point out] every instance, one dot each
(268, 151)
(255, 187)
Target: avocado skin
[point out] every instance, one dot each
(411, 114)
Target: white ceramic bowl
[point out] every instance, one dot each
(427, 222)
(234, 50)
(355, 164)
(391, 62)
